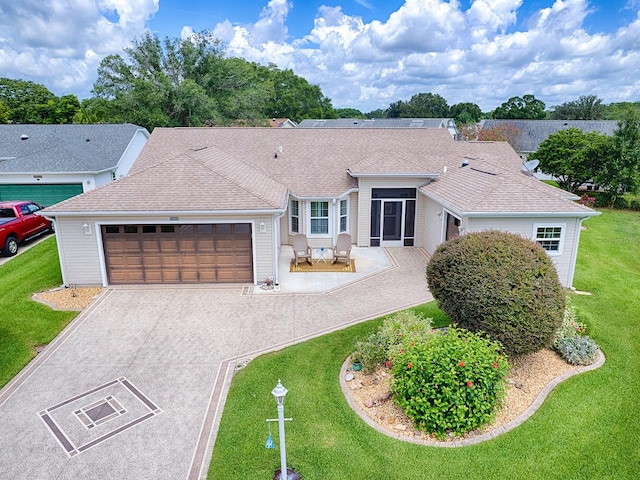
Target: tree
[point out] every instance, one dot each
(349, 113)
(378, 113)
(426, 105)
(587, 107)
(525, 107)
(25, 100)
(465, 113)
(618, 111)
(397, 110)
(501, 284)
(294, 97)
(502, 132)
(149, 88)
(572, 156)
(5, 113)
(620, 172)
(190, 82)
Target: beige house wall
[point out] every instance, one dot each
(563, 261)
(82, 255)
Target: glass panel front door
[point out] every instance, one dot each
(392, 223)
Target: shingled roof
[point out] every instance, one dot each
(63, 148)
(531, 133)
(377, 123)
(241, 169)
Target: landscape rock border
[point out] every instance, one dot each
(345, 370)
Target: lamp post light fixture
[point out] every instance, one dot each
(279, 392)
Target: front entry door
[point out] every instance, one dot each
(392, 215)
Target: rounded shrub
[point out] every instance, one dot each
(454, 383)
(501, 284)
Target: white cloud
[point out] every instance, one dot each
(484, 53)
(59, 43)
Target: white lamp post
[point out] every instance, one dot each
(279, 392)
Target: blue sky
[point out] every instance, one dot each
(364, 54)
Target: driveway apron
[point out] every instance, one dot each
(134, 387)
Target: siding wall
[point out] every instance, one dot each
(131, 154)
(286, 238)
(524, 226)
(82, 256)
(433, 225)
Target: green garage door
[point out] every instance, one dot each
(43, 194)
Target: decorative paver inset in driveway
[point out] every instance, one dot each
(106, 411)
(87, 406)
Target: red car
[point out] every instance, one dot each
(19, 222)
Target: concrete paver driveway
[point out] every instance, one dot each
(134, 387)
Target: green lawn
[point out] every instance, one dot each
(24, 324)
(588, 428)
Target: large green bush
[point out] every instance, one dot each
(453, 383)
(501, 284)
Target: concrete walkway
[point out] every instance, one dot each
(135, 386)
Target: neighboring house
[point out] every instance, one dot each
(50, 163)
(447, 123)
(531, 133)
(281, 123)
(217, 204)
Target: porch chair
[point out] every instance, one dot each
(342, 248)
(301, 248)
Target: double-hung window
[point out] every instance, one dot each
(294, 216)
(344, 208)
(319, 218)
(549, 237)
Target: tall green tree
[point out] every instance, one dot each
(618, 111)
(191, 82)
(294, 97)
(161, 83)
(465, 112)
(4, 112)
(621, 170)
(427, 105)
(573, 156)
(349, 113)
(25, 100)
(587, 107)
(526, 107)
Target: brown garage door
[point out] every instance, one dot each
(218, 253)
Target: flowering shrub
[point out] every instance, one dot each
(396, 333)
(453, 383)
(578, 350)
(570, 327)
(587, 201)
(402, 329)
